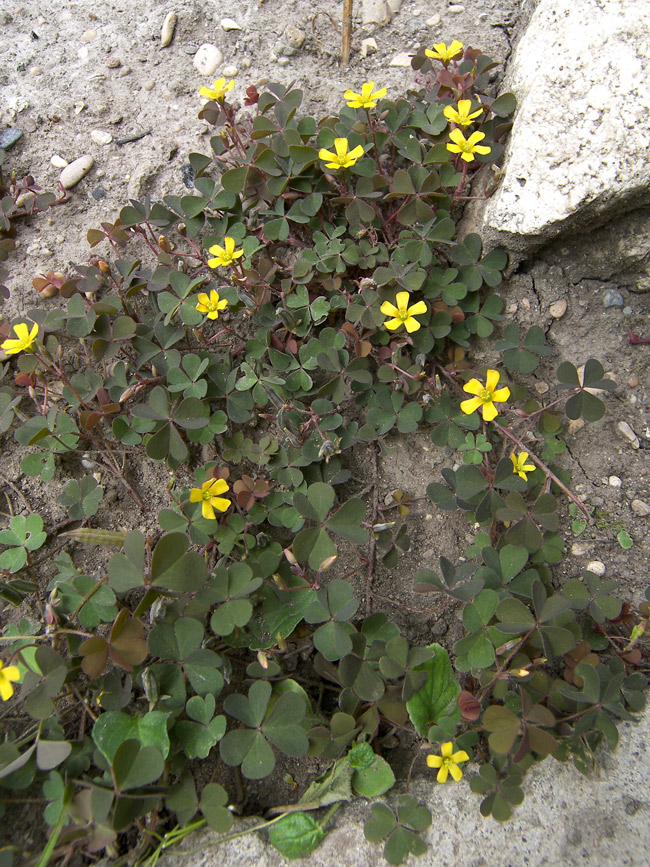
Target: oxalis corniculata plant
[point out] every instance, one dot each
(307, 303)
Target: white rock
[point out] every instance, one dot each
(58, 162)
(207, 59)
(597, 567)
(394, 6)
(575, 60)
(579, 549)
(558, 308)
(433, 21)
(640, 508)
(614, 482)
(229, 24)
(375, 12)
(167, 32)
(368, 46)
(100, 137)
(542, 387)
(401, 59)
(456, 8)
(230, 71)
(73, 173)
(626, 431)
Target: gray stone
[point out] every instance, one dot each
(613, 298)
(368, 46)
(375, 12)
(640, 508)
(294, 37)
(78, 169)
(578, 147)
(229, 24)
(558, 308)
(624, 429)
(9, 137)
(403, 59)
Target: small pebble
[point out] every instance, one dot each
(433, 21)
(402, 59)
(98, 193)
(188, 174)
(624, 429)
(612, 298)
(89, 36)
(579, 549)
(126, 70)
(632, 382)
(58, 162)
(597, 567)
(149, 85)
(640, 508)
(512, 308)
(100, 137)
(627, 311)
(73, 173)
(207, 59)
(230, 71)
(36, 70)
(368, 46)
(245, 63)
(558, 308)
(113, 63)
(167, 31)
(294, 37)
(229, 24)
(456, 8)
(9, 137)
(541, 387)
(283, 61)
(614, 482)
(525, 302)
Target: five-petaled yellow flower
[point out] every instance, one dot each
(8, 676)
(225, 255)
(467, 147)
(218, 92)
(343, 158)
(24, 341)
(441, 52)
(461, 116)
(403, 314)
(520, 466)
(211, 305)
(486, 395)
(208, 496)
(448, 762)
(365, 99)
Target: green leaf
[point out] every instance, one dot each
(381, 823)
(251, 750)
(134, 767)
(213, 806)
(296, 835)
(114, 727)
(374, 780)
(435, 700)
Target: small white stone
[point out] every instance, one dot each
(512, 308)
(558, 308)
(229, 24)
(245, 63)
(73, 173)
(368, 46)
(89, 36)
(283, 61)
(640, 508)
(58, 162)
(149, 85)
(614, 482)
(541, 387)
(100, 137)
(579, 549)
(456, 8)
(597, 567)
(230, 71)
(402, 59)
(207, 59)
(433, 21)
(167, 32)
(626, 431)
(294, 37)
(82, 54)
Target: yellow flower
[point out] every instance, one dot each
(207, 495)
(24, 342)
(467, 147)
(443, 53)
(365, 99)
(486, 395)
(218, 93)
(520, 466)
(403, 314)
(448, 762)
(7, 675)
(461, 116)
(211, 305)
(342, 159)
(225, 255)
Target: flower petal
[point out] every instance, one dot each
(474, 387)
(402, 299)
(442, 774)
(11, 672)
(471, 405)
(202, 298)
(220, 503)
(412, 325)
(491, 380)
(489, 411)
(460, 756)
(501, 395)
(434, 761)
(418, 308)
(341, 147)
(389, 309)
(456, 772)
(219, 486)
(207, 511)
(6, 689)
(356, 153)
(447, 749)
(457, 137)
(392, 324)
(324, 154)
(196, 495)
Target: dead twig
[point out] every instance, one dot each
(346, 35)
